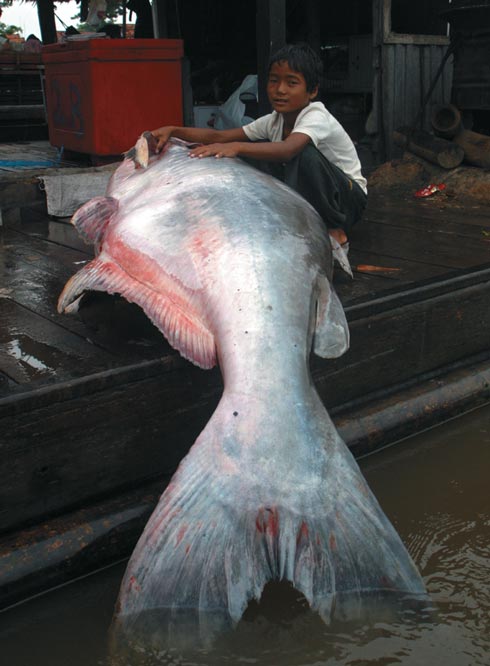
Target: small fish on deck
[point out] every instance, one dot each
(367, 268)
(235, 268)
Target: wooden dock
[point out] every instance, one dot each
(96, 410)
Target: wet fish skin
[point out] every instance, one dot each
(235, 267)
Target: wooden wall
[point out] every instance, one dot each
(405, 66)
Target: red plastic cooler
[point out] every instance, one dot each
(102, 93)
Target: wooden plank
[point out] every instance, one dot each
(423, 247)
(399, 38)
(403, 271)
(37, 290)
(388, 104)
(7, 385)
(36, 224)
(86, 539)
(52, 258)
(401, 343)
(453, 218)
(410, 102)
(77, 450)
(360, 289)
(23, 111)
(88, 385)
(427, 221)
(379, 74)
(403, 295)
(433, 58)
(109, 322)
(435, 398)
(33, 350)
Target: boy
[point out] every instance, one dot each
(300, 142)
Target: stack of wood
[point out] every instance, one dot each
(453, 142)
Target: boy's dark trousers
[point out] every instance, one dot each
(339, 200)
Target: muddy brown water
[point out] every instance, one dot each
(436, 490)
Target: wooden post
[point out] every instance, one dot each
(271, 35)
(45, 12)
(313, 24)
(160, 24)
(446, 121)
(379, 92)
(124, 21)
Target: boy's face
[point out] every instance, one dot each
(286, 89)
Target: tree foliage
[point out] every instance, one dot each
(113, 12)
(6, 30)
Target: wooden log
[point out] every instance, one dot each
(476, 148)
(446, 120)
(438, 151)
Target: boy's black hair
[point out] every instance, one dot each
(303, 59)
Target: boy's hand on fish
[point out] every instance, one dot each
(162, 135)
(215, 150)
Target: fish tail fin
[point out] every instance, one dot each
(237, 516)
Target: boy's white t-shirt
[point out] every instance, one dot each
(325, 132)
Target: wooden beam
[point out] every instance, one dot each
(271, 35)
(390, 37)
(45, 12)
(378, 80)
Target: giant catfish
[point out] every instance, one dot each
(235, 268)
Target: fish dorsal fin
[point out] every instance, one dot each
(182, 325)
(92, 218)
(331, 337)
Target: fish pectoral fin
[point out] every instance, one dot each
(182, 327)
(91, 219)
(97, 275)
(331, 337)
(141, 152)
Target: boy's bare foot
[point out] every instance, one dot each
(339, 235)
(339, 253)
